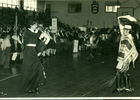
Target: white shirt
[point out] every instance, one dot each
(34, 31)
(6, 43)
(46, 37)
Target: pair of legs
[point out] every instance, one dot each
(92, 53)
(123, 77)
(50, 51)
(53, 51)
(6, 57)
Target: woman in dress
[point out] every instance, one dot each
(32, 69)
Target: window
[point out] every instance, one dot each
(112, 6)
(9, 3)
(30, 5)
(74, 8)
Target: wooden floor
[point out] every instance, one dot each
(71, 75)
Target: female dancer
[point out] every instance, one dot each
(32, 70)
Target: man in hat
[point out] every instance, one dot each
(127, 54)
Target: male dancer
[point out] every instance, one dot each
(127, 54)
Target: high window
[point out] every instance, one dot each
(74, 8)
(10, 3)
(30, 5)
(112, 6)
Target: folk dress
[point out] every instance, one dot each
(32, 69)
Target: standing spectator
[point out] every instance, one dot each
(49, 45)
(19, 44)
(62, 41)
(58, 42)
(70, 39)
(65, 46)
(13, 41)
(103, 44)
(53, 50)
(81, 40)
(6, 51)
(1, 49)
(75, 41)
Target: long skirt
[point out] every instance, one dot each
(32, 70)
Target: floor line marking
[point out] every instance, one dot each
(86, 93)
(96, 88)
(9, 77)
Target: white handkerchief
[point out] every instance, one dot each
(119, 65)
(14, 56)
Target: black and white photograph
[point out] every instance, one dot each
(84, 49)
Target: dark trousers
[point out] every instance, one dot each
(125, 76)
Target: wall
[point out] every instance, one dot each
(59, 9)
(40, 5)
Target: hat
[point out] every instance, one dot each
(130, 18)
(128, 27)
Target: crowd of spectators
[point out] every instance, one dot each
(66, 39)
